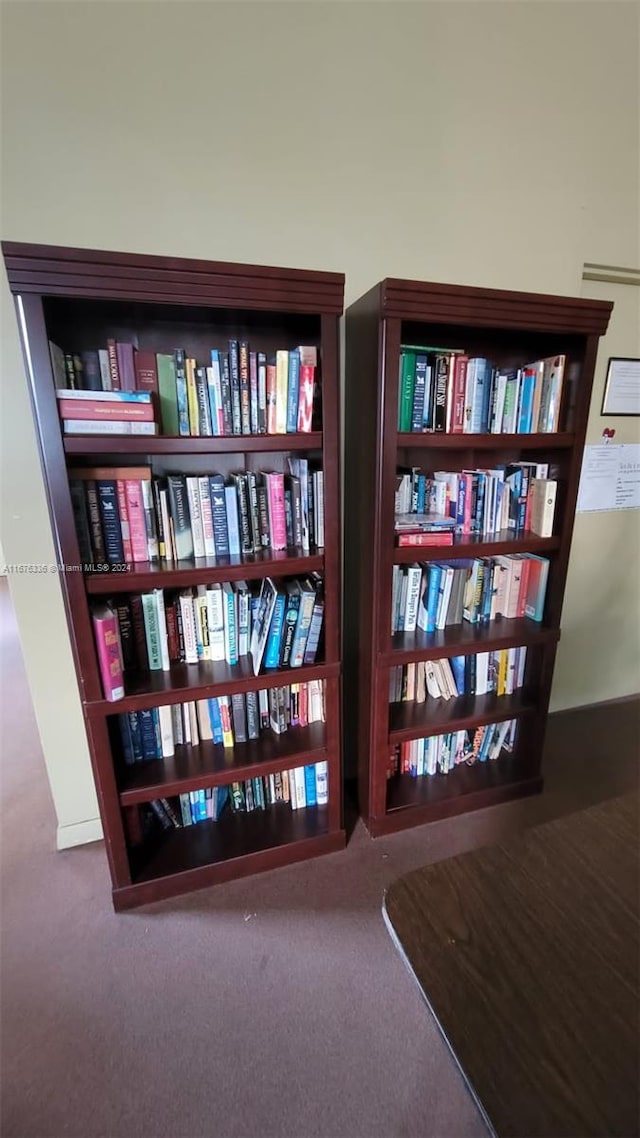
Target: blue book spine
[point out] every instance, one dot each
(230, 603)
(457, 667)
(125, 735)
(426, 411)
(422, 490)
(487, 594)
(147, 734)
(136, 738)
(181, 393)
(418, 393)
(272, 650)
(293, 392)
(220, 796)
(480, 496)
(486, 394)
(110, 517)
(233, 525)
(435, 574)
(310, 785)
(462, 491)
(202, 806)
(527, 390)
(213, 404)
(215, 720)
(157, 730)
(219, 515)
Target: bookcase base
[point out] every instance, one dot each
(161, 888)
(402, 819)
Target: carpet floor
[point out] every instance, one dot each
(273, 1006)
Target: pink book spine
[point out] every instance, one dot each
(524, 586)
(304, 698)
(137, 526)
(459, 388)
(305, 398)
(105, 626)
(277, 521)
(124, 521)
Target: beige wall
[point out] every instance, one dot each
(486, 143)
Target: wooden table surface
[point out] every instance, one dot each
(528, 955)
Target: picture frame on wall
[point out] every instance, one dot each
(622, 386)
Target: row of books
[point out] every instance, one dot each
(155, 732)
(277, 623)
(433, 595)
(517, 497)
(439, 754)
(446, 390)
(124, 515)
(239, 391)
(301, 787)
(478, 673)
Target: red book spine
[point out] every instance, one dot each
(105, 626)
(468, 497)
(173, 639)
(459, 386)
(305, 398)
(113, 366)
(524, 585)
(105, 409)
(137, 525)
(304, 705)
(146, 371)
(425, 539)
(124, 521)
(277, 523)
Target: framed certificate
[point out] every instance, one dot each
(622, 387)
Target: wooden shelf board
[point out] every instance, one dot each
(211, 764)
(460, 639)
(437, 716)
(441, 439)
(200, 681)
(233, 836)
(202, 570)
(248, 861)
(164, 444)
(419, 805)
(469, 545)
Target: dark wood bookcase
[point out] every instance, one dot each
(511, 329)
(81, 298)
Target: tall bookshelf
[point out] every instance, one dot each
(79, 299)
(511, 329)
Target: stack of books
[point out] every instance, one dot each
(107, 412)
(238, 391)
(278, 623)
(433, 595)
(439, 754)
(517, 497)
(124, 515)
(301, 787)
(155, 732)
(479, 673)
(442, 389)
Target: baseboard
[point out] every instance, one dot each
(79, 834)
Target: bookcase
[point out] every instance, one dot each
(82, 298)
(511, 329)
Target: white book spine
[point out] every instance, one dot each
(193, 496)
(244, 603)
(189, 630)
(215, 621)
(108, 427)
(204, 719)
(186, 722)
(105, 370)
(207, 517)
(293, 792)
(301, 793)
(166, 731)
(414, 576)
(176, 723)
(162, 629)
(166, 526)
(482, 672)
(322, 783)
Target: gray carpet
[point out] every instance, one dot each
(274, 1006)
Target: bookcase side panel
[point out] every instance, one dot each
(331, 467)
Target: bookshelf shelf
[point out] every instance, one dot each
(459, 639)
(84, 300)
(210, 764)
(201, 570)
(159, 444)
(469, 545)
(434, 717)
(202, 681)
(511, 330)
(496, 442)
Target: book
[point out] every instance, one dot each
(107, 636)
(543, 493)
(108, 427)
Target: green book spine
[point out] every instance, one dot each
(152, 631)
(407, 383)
(168, 396)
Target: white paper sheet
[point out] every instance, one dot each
(622, 392)
(610, 477)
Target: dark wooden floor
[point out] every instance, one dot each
(528, 955)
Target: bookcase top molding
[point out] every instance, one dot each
(487, 307)
(55, 270)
